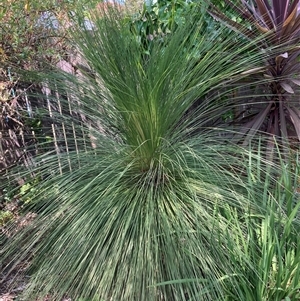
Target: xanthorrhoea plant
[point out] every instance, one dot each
(279, 22)
(138, 204)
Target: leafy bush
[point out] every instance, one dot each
(33, 37)
(21, 43)
(162, 17)
(5, 216)
(34, 31)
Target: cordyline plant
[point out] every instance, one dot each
(279, 22)
(134, 202)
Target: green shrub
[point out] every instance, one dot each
(5, 216)
(158, 19)
(34, 31)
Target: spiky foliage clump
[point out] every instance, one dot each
(274, 109)
(266, 256)
(138, 200)
(263, 248)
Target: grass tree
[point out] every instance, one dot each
(141, 201)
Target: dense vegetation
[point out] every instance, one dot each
(168, 172)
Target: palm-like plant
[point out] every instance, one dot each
(279, 22)
(137, 205)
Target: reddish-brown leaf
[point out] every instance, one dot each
(295, 30)
(287, 87)
(289, 22)
(295, 81)
(280, 10)
(279, 58)
(265, 13)
(283, 126)
(257, 123)
(292, 69)
(295, 117)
